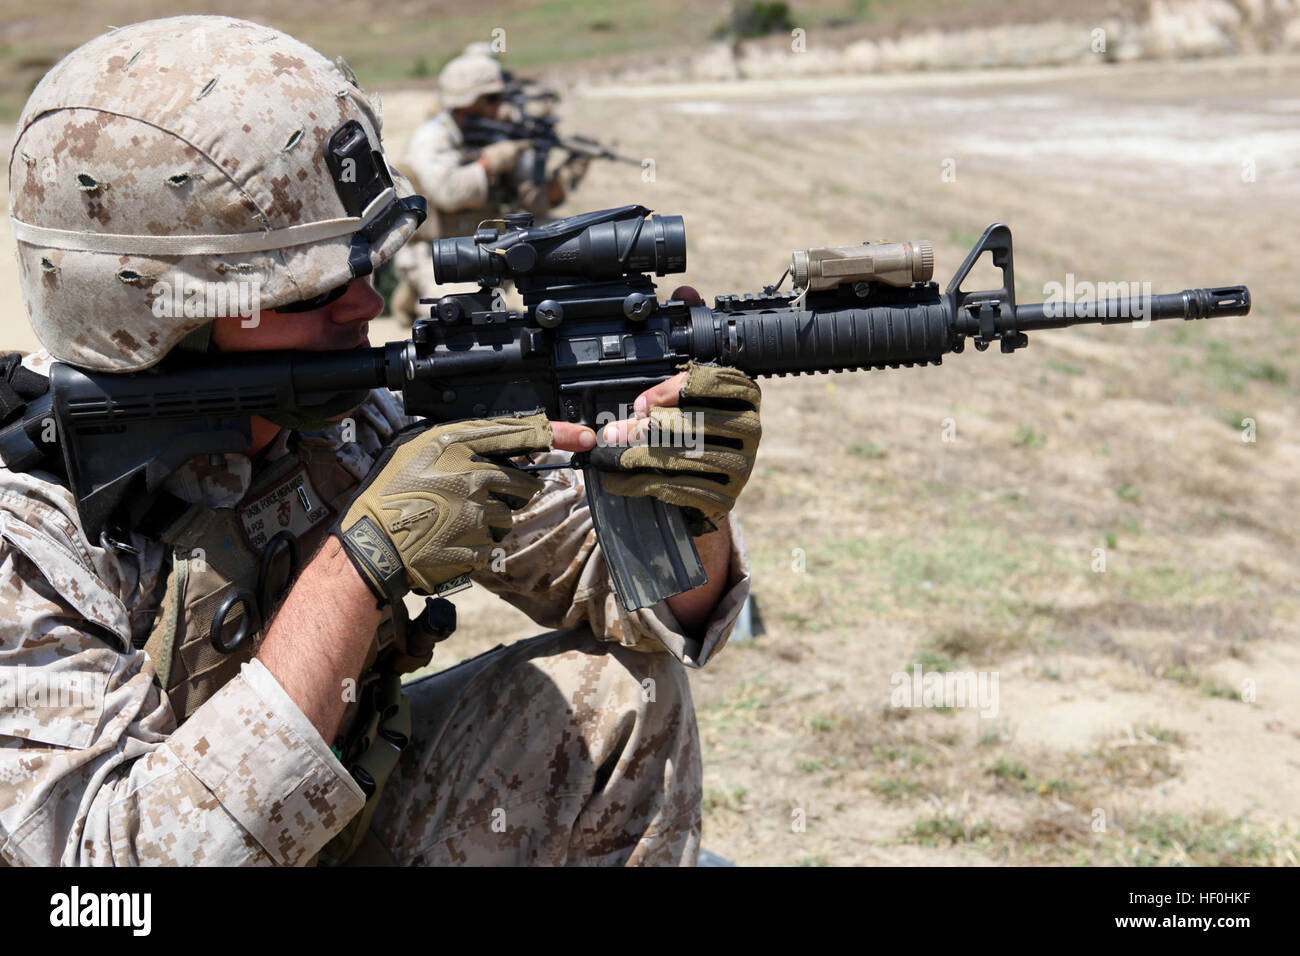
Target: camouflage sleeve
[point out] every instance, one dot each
(553, 570)
(448, 182)
(92, 767)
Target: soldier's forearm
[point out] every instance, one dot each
(321, 636)
(694, 608)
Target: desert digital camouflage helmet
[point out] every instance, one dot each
(193, 150)
(467, 77)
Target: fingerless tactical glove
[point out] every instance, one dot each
(436, 499)
(699, 454)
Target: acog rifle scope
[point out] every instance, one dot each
(599, 245)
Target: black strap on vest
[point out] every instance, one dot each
(17, 385)
(24, 415)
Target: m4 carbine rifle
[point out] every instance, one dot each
(592, 336)
(543, 132)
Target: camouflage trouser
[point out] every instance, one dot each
(556, 750)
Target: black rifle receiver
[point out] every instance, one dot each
(592, 336)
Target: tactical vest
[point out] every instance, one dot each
(233, 559)
(233, 566)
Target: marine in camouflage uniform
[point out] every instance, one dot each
(466, 186)
(128, 738)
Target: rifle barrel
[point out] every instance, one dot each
(1188, 304)
(784, 340)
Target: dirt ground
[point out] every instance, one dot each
(1145, 713)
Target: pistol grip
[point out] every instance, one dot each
(646, 544)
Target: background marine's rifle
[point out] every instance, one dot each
(592, 336)
(543, 132)
(524, 93)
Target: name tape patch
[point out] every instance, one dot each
(292, 505)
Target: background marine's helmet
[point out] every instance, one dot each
(479, 48)
(198, 150)
(466, 78)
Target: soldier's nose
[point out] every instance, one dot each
(360, 303)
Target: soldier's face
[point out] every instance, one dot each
(487, 106)
(342, 324)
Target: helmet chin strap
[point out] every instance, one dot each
(310, 418)
(197, 340)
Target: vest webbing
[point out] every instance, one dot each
(210, 560)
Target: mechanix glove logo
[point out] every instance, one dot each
(457, 584)
(373, 553)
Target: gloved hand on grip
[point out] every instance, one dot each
(695, 447)
(436, 499)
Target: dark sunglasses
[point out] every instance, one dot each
(316, 301)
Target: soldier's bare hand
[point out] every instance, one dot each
(692, 442)
(572, 437)
(666, 394)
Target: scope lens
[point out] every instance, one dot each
(670, 244)
(457, 260)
